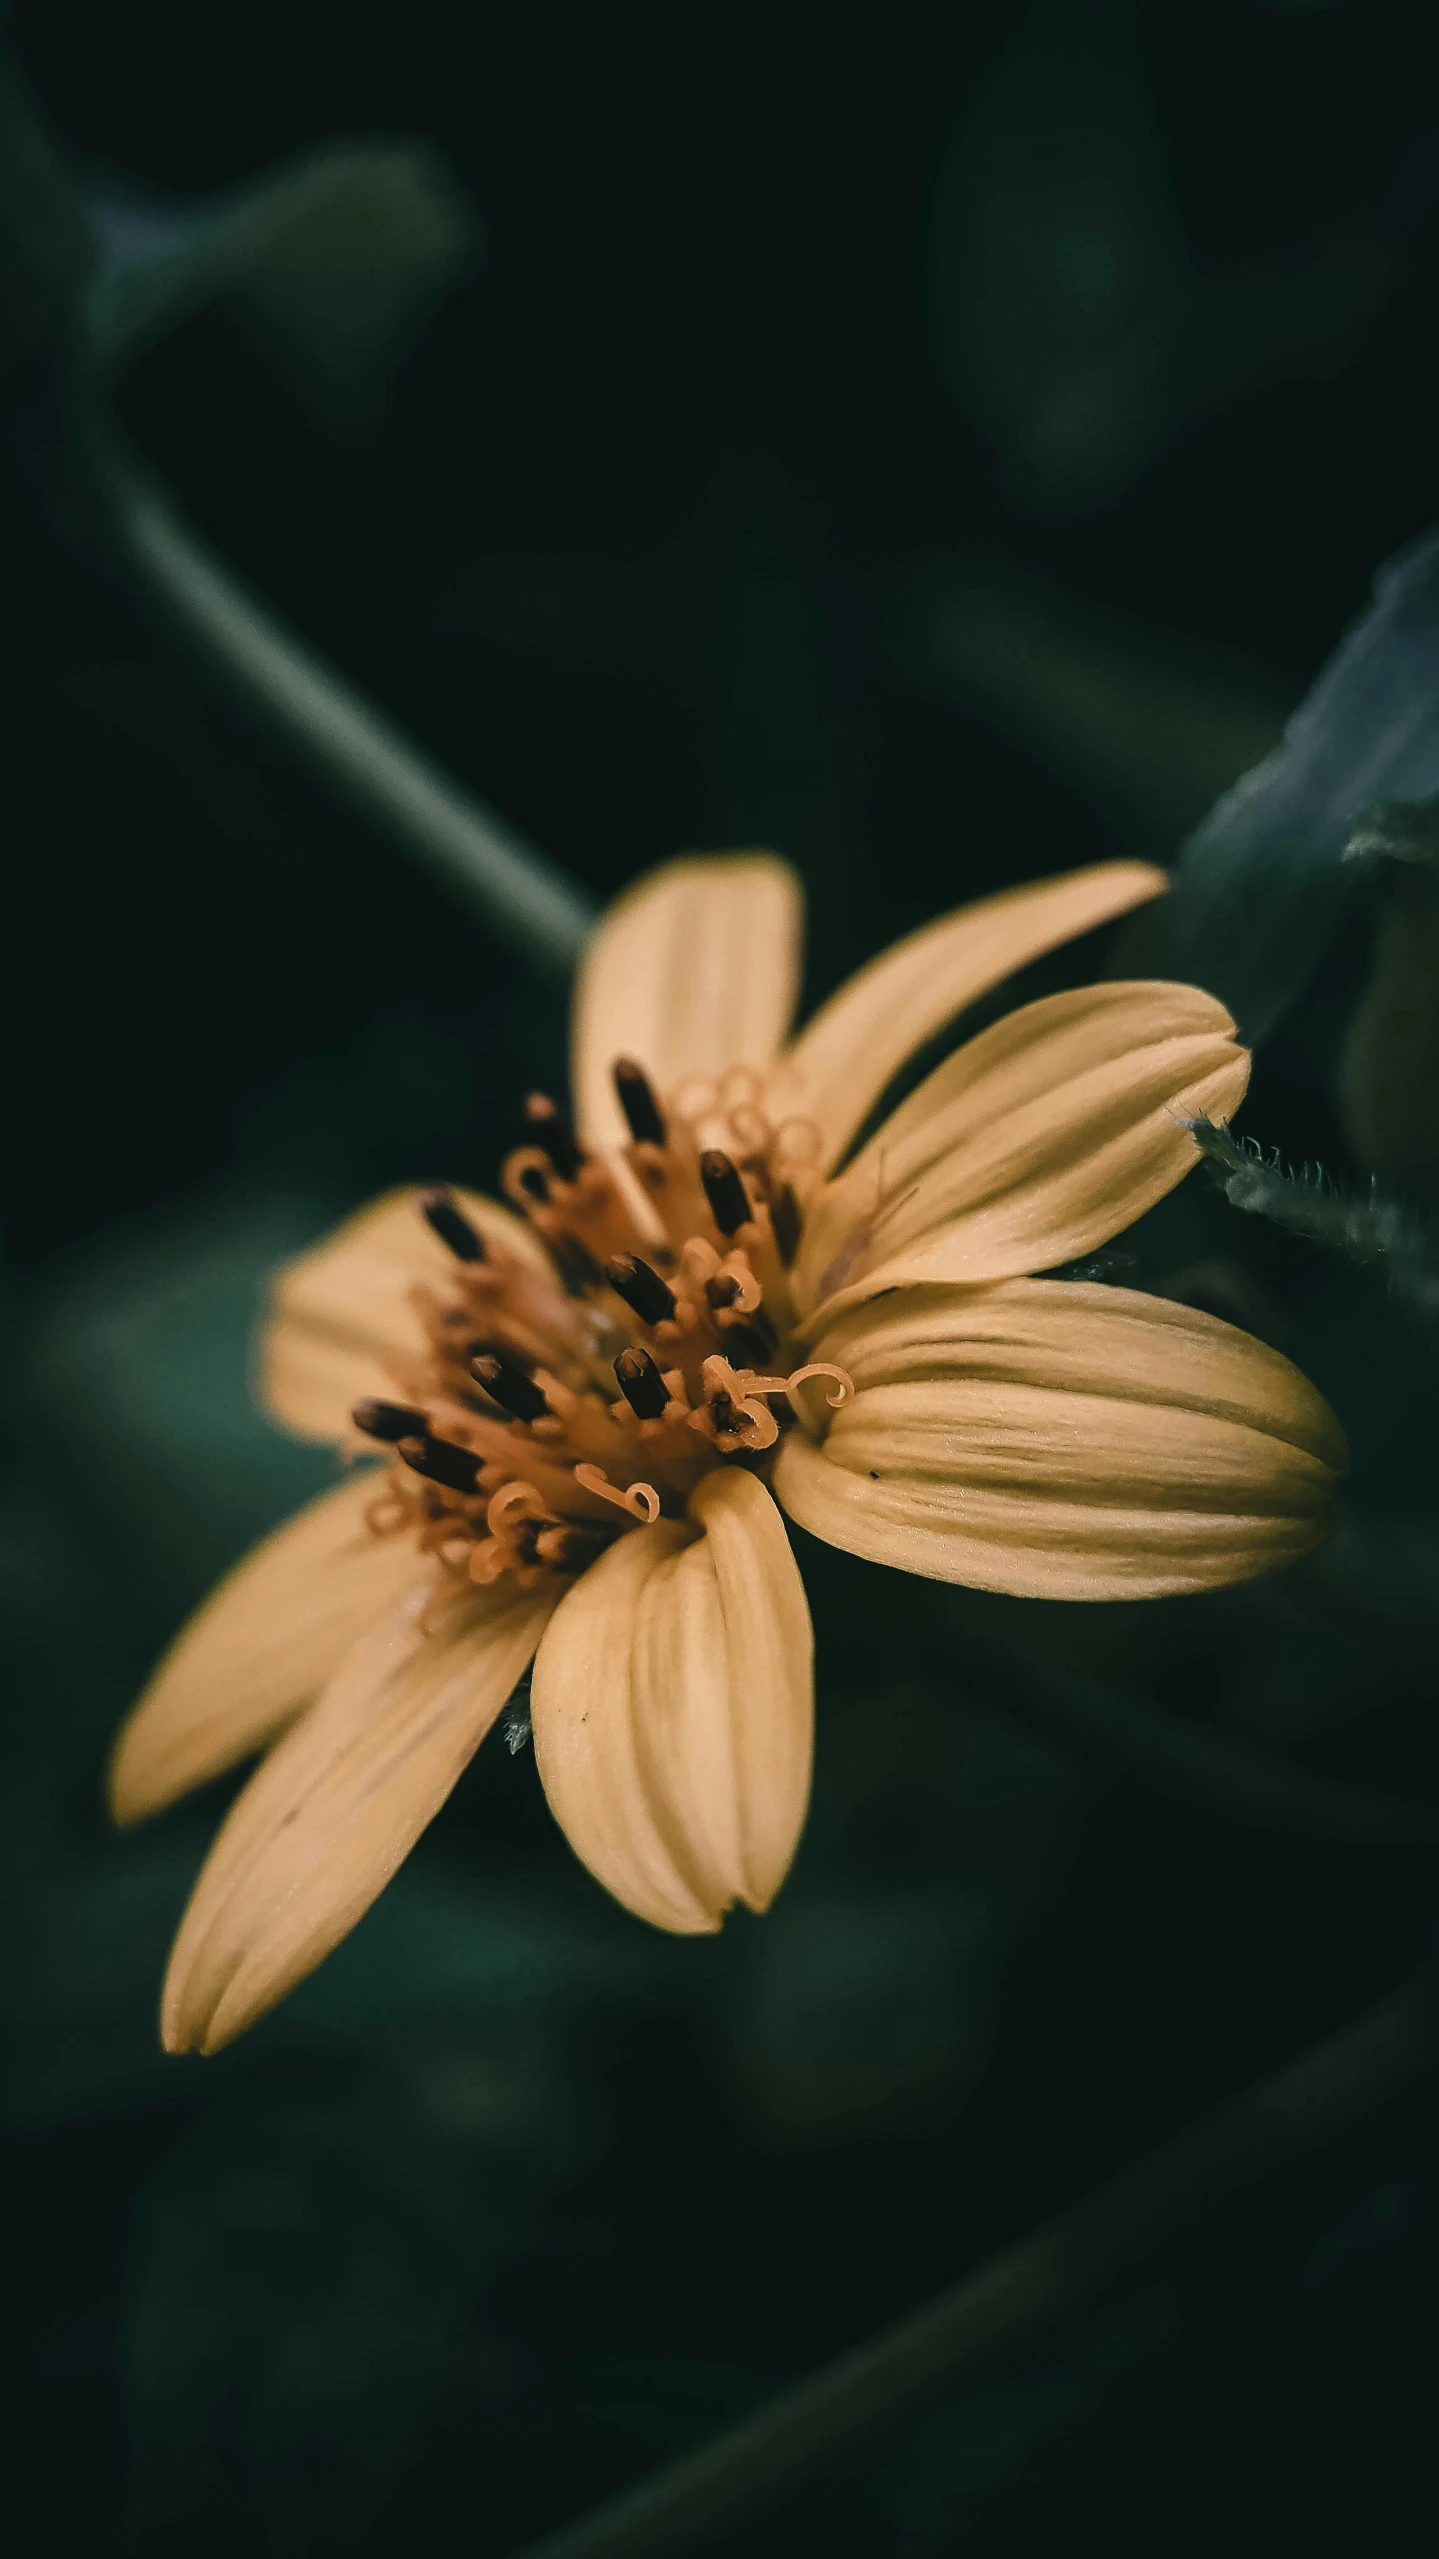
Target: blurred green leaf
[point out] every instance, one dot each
(306, 2274)
(1067, 310)
(140, 1366)
(1060, 279)
(334, 263)
(1144, 724)
(1261, 886)
(1388, 1069)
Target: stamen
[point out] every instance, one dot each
(740, 1088)
(640, 1500)
(747, 1343)
(510, 1387)
(641, 1288)
(637, 1101)
(641, 1384)
(487, 1346)
(575, 1263)
(728, 1199)
(554, 1133)
(823, 1368)
(390, 1422)
(512, 1503)
(569, 1548)
(734, 1285)
(787, 1220)
(456, 1468)
(447, 1220)
(797, 1141)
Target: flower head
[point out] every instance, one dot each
(702, 1305)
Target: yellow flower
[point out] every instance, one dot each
(594, 1402)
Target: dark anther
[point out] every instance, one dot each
(450, 1223)
(641, 1288)
(457, 1468)
(390, 1422)
(751, 1342)
(637, 1101)
(571, 1547)
(552, 1131)
(722, 1291)
(787, 1220)
(728, 1199)
(510, 1386)
(575, 1263)
(534, 1181)
(489, 1346)
(641, 1384)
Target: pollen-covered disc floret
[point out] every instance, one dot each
(567, 1398)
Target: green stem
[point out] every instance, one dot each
(342, 736)
(102, 498)
(844, 2415)
(1187, 1762)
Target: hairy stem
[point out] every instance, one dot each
(1369, 1229)
(844, 2415)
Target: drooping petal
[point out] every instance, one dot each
(695, 969)
(260, 1649)
(770, 1648)
(582, 1708)
(1035, 1142)
(340, 1314)
(673, 1711)
(855, 1044)
(338, 1805)
(1064, 1441)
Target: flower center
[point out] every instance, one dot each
(662, 1274)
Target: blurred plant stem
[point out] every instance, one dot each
(55, 399)
(1101, 1725)
(843, 2417)
(1147, 728)
(344, 738)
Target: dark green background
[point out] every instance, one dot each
(650, 545)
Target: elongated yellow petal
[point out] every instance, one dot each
(260, 1649)
(770, 1648)
(693, 970)
(682, 1719)
(1034, 1143)
(856, 1044)
(337, 1806)
(586, 1747)
(673, 1711)
(1064, 1441)
(340, 1314)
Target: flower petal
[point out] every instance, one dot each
(693, 970)
(1064, 1441)
(770, 1648)
(1035, 1142)
(260, 1649)
(582, 1708)
(673, 1711)
(855, 1044)
(340, 1315)
(322, 1826)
